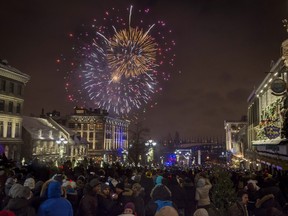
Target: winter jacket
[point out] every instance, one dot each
(202, 192)
(55, 205)
(20, 207)
(160, 197)
(89, 203)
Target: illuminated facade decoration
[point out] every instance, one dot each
(48, 141)
(234, 140)
(12, 83)
(106, 136)
(268, 115)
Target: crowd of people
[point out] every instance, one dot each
(113, 190)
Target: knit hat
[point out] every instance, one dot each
(159, 180)
(130, 205)
(19, 191)
(15, 190)
(94, 182)
(30, 182)
(201, 212)
(104, 186)
(167, 210)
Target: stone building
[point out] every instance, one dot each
(12, 84)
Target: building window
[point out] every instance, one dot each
(2, 105)
(10, 107)
(91, 126)
(3, 85)
(17, 130)
(85, 127)
(19, 89)
(9, 130)
(99, 146)
(18, 108)
(11, 87)
(99, 126)
(1, 128)
(91, 135)
(71, 125)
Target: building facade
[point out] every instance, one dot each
(107, 137)
(235, 133)
(267, 117)
(12, 83)
(49, 141)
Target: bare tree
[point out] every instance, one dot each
(137, 138)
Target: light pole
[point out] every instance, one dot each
(150, 155)
(61, 142)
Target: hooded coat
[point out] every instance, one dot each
(55, 205)
(18, 202)
(160, 197)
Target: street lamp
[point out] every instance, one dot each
(150, 155)
(178, 154)
(124, 154)
(187, 157)
(61, 142)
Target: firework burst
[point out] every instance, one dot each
(133, 52)
(118, 67)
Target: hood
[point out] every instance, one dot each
(54, 190)
(160, 192)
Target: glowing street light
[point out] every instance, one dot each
(124, 154)
(150, 155)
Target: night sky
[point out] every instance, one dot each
(223, 48)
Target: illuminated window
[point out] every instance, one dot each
(91, 126)
(99, 125)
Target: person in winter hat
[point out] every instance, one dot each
(55, 205)
(167, 210)
(203, 187)
(160, 196)
(129, 210)
(8, 184)
(89, 203)
(19, 200)
(201, 212)
(30, 182)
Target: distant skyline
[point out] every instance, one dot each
(223, 51)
